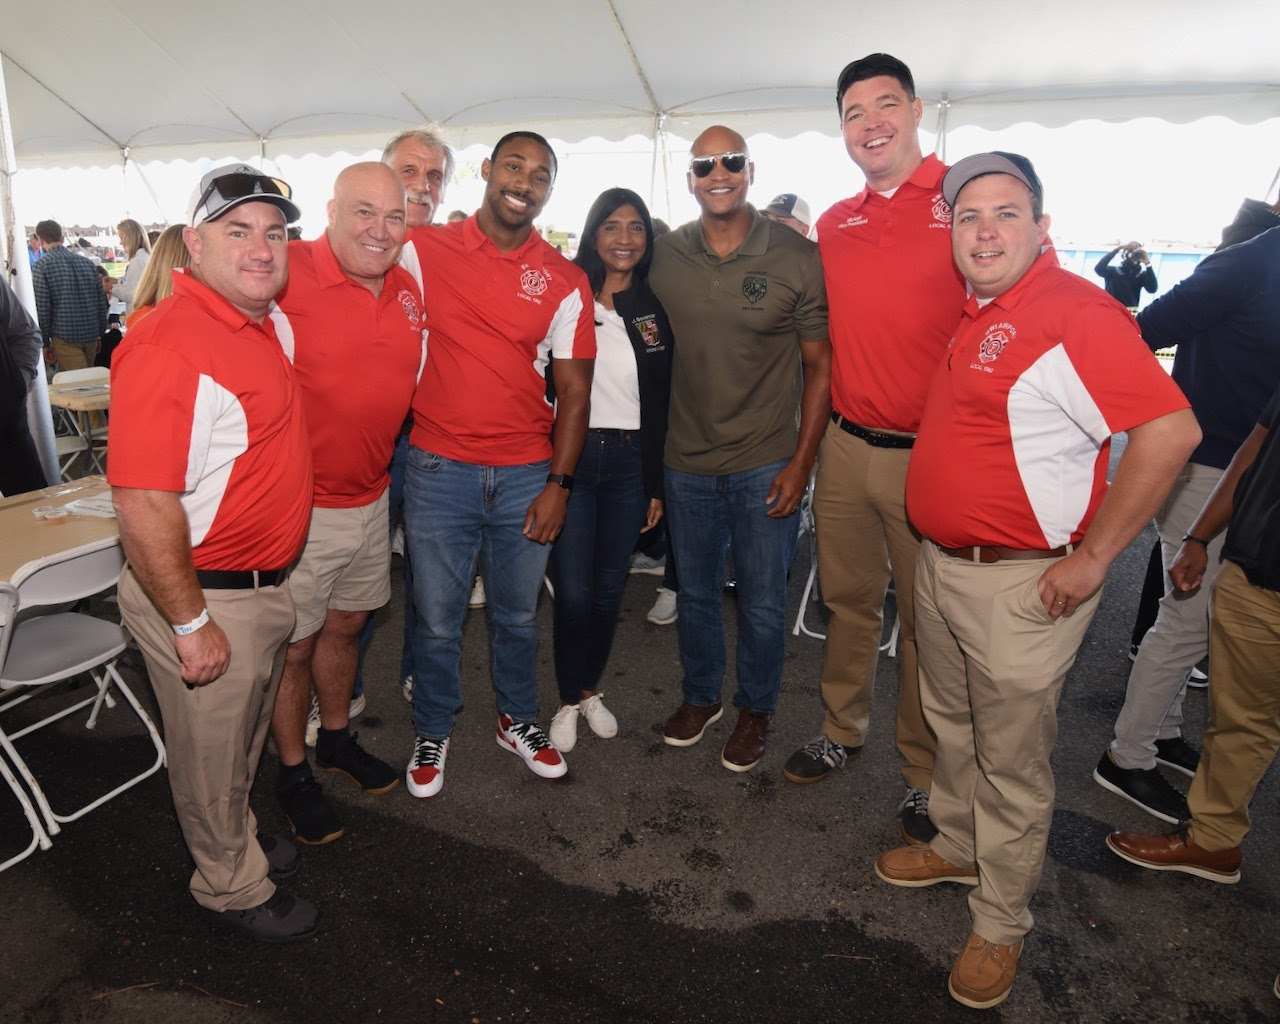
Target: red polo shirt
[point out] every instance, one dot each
(356, 357)
(494, 320)
(893, 296)
(1014, 444)
(204, 403)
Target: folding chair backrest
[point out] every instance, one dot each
(8, 612)
(87, 375)
(72, 577)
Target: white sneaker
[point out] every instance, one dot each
(599, 717)
(477, 594)
(564, 728)
(406, 687)
(531, 743)
(354, 710)
(663, 612)
(397, 542)
(1196, 679)
(641, 563)
(425, 775)
(313, 722)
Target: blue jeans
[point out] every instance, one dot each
(707, 513)
(453, 512)
(395, 498)
(591, 557)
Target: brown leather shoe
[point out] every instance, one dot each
(1176, 852)
(686, 726)
(983, 972)
(917, 865)
(746, 742)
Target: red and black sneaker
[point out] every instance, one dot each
(531, 743)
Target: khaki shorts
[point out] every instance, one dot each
(346, 565)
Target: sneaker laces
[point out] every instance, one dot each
(823, 749)
(917, 801)
(530, 735)
(428, 753)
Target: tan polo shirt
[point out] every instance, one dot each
(738, 323)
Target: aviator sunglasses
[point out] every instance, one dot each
(701, 166)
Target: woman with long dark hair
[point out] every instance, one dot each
(617, 490)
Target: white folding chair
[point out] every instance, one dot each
(8, 612)
(51, 648)
(83, 438)
(809, 526)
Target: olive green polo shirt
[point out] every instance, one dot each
(738, 323)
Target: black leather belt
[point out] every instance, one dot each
(613, 431)
(240, 579)
(873, 437)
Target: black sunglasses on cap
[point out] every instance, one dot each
(240, 186)
(701, 166)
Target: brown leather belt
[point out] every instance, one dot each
(996, 553)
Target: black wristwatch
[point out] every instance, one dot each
(563, 479)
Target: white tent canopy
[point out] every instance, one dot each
(93, 81)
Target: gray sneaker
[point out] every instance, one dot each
(664, 612)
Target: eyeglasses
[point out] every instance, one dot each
(701, 166)
(239, 185)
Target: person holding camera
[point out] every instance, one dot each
(1125, 282)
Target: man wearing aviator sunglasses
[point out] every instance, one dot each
(748, 308)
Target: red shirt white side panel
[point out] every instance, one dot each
(495, 321)
(356, 357)
(204, 404)
(894, 295)
(1014, 443)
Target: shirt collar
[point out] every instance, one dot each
(755, 244)
(925, 178)
(187, 287)
(473, 239)
(1011, 299)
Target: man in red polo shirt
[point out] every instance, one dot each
(350, 321)
(1008, 487)
(211, 478)
(894, 295)
(486, 477)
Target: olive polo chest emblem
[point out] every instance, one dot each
(754, 288)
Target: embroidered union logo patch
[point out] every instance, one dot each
(941, 210)
(993, 343)
(754, 288)
(533, 282)
(410, 305)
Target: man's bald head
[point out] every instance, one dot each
(367, 222)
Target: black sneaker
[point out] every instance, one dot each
(1143, 787)
(282, 918)
(282, 856)
(314, 821)
(1178, 754)
(366, 771)
(811, 763)
(913, 817)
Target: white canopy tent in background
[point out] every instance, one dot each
(114, 82)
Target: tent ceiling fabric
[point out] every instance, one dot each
(86, 78)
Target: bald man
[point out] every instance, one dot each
(746, 300)
(350, 321)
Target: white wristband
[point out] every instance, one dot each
(190, 627)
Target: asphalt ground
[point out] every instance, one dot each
(649, 885)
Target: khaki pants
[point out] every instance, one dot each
(214, 734)
(992, 665)
(859, 505)
(1244, 709)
